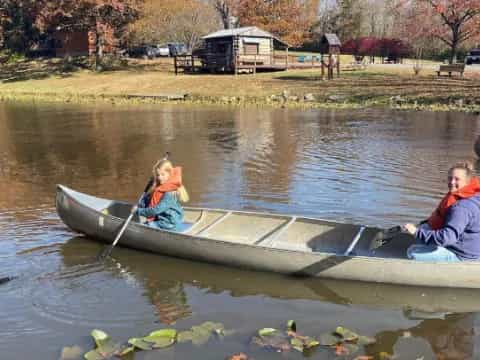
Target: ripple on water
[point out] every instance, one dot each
(77, 295)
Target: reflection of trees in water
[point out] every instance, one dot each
(449, 338)
(171, 303)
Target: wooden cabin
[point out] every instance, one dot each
(249, 47)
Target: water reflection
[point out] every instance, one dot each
(450, 338)
(373, 167)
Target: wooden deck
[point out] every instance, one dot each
(247, 63)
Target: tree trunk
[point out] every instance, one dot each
(455, 43)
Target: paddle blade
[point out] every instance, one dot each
(384, 237)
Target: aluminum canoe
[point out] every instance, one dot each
(285, 244)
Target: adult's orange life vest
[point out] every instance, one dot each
(437, 219)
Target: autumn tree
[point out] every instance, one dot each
(226, 10)
(18, 23)
(184, 21)
(291, 20)
(451, 21)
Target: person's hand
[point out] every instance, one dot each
(134, 209)
(410, 228)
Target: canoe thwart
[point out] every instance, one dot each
(219, 220)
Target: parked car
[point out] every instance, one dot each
(473, 57)
(142, 51)
(177, 49)
(163, 50)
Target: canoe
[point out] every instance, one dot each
(291, 245)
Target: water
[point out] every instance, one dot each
(374, 167)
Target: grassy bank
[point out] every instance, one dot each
(378, 85)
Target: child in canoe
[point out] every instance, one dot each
(161, 203)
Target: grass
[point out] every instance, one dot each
(378, 85)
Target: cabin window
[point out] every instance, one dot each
(250, 48)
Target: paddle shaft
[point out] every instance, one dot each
(124, 226)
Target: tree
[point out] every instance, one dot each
(100, 17)
(182, 21)
(18, 28)
(451, 21)
(291, 20)
(226, 9)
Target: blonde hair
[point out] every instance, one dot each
(467, 166)
(181, 193)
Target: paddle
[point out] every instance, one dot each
(106, 252)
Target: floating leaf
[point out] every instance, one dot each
(100, 337)
(329, 339)
(140, 343)
(106, 348)
(291, 325)
(297, 344)
(93, 355)
(351, 348)
(346, 334)
(364, 357)
(267, 331)
(161, 338)
(185, 336)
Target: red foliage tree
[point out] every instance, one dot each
(451, 21)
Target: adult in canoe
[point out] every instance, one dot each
(452, 233)
(161, 204)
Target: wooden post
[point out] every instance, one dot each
(338, 65)
(323, 66)
(330, 67)
(255, 64)
(286, 61)
(175, 64)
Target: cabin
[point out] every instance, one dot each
(249, 47)
(81, 43)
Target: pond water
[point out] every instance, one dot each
(375, 167)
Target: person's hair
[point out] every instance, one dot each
(165, 164)
(467, 166)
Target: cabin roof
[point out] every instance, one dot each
(332, 39)
(252, 31)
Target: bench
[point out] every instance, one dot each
(452, 68)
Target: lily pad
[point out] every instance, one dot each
(329, 339)
(185, 336)
(278, 342)
(106, 348)
(291, 325)
(346, 334)
(71, 352)
(297, 344)
(301, 343)
(141, 344)
(161, 338)
(267, 331)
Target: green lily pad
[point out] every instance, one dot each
(329, 339)
(93, 355)
(161, 338)
(267, 331)
(297, 344)
(346, 334)
(185, 336)
(141, 344)
(106, 348)
(291, 325)
(351, 348)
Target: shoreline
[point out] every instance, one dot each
(273, 101)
